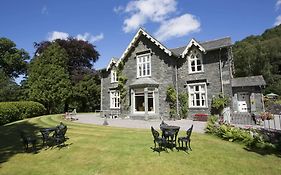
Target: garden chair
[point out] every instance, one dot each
(28, 140)
(186, 139)
(158, 140)
(59, 135)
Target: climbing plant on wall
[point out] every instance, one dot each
(171, 98)
(183, 99)
(121, 85)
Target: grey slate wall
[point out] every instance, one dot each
(211, 74)
(162, 70)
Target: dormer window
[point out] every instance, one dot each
(114, 78)
(143, 65)
(195, 61)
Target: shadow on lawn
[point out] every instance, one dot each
(11, 143)
(264, 152)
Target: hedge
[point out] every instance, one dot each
(13, 111)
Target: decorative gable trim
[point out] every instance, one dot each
(136, 37)
(112, 61)
(191, 43)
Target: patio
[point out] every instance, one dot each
(184, 124)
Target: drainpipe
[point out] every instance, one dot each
(177, 91)
(221, 72)
(101, 83)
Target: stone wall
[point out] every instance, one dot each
(211, 75)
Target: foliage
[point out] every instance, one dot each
(13, 111)
(122, 151)
(48, 81)
(122, 79)
(81, 54)
(266, 116)
(218, 103)
(183, 100)
(12, 60)
(252, 138)
(9, 90)
(85, 94)
(78, 66)
(260, 55)
(171, 98)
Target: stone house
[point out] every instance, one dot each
(200, 69)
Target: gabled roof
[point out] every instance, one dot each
(112, 61)
(136, 37)
(191, 43)
(207, 45)
(248, 81)
(218, 43)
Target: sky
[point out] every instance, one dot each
(110, 25)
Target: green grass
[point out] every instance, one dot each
(98, 150)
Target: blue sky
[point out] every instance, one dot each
(111, 24)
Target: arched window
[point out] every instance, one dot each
(195, 61)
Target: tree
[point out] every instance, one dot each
(80, 58)
(12, 64)
(12, 60)
(260, 55)
(48, 81)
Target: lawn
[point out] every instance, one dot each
(97, 150)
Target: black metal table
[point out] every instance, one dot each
(46, 134)
(170, 134)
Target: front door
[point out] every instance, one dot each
(243, 102)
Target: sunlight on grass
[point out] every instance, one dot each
(99, 150)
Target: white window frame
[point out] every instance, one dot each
(114, 99)
(114, 77)
(202, 95)
(134, 102)
(144, 65)
(195, 55)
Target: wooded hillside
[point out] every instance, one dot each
(260, 55)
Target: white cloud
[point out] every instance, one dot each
(91, 38)
(142, 11)
(177, 27)
(278, 4)
(277, 20)
(85, 37)
(44, 10)
(57, 35)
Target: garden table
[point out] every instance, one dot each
(170, 133)
(46, 133)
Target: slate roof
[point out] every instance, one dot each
(144, 81)
(207, 45)
(248, 81)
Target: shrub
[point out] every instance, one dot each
(252, 138)
(218, 103)
(13, 111)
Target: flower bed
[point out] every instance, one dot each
(200, 117)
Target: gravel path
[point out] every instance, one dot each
(95, 118)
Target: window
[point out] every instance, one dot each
(139, 100)
(114, 99)
(195, 61)
(143, 65)
(114, 76)
(197, 95)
